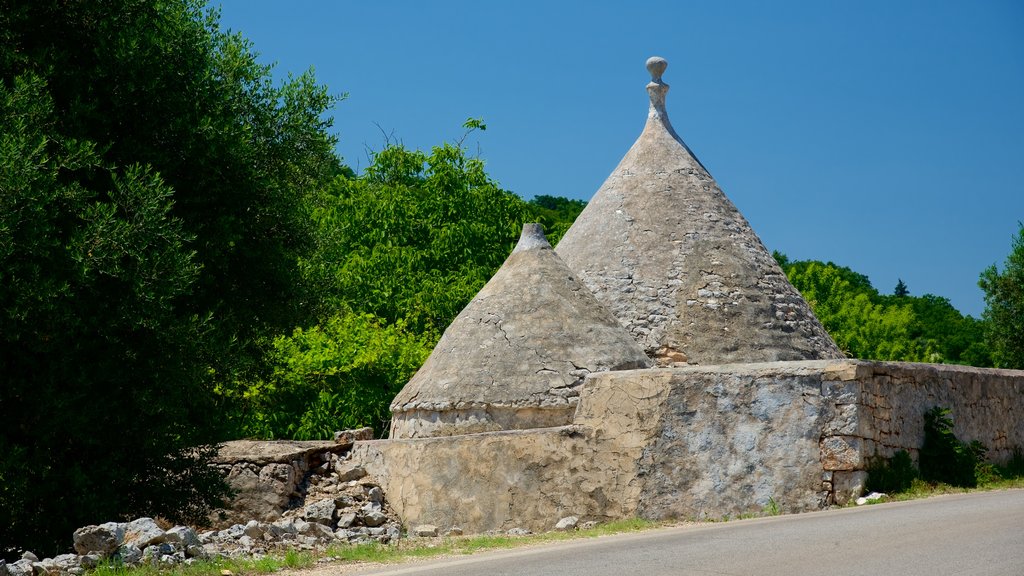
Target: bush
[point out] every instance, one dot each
(339, 375)
(944, 458)
(896, 474)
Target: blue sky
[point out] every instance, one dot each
(884, 136)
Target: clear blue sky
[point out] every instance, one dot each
(884, 136)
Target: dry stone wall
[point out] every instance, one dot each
(879, 409)
(695, 442)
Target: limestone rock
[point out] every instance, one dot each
(373, 518)
(567, 523)
(130, 555)
(349, 437)
(425, 531)
(516, 356)
(142, 532)
(262, 452)
(102, 539)
(320, 512)
(848, 485)
(348, 471)
(346, 520)
(21, 568)
(182, 537)
(669, 254)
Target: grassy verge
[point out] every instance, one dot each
(921, 489)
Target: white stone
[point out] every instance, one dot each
(143, 532)
(567, 523)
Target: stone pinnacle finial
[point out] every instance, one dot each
(531, 238)
(656, 65)
(657, 89)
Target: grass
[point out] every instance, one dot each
(921, 489)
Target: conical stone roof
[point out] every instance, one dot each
(670, 255)
(516, 356)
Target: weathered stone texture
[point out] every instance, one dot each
(516, 356)
(695, 442)
(669, 254)
(882, 404)
(735, 438)
(269, 477)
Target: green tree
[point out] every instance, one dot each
(901, 289)
(403, 248)
(555, 213)
(415, 237)
(1004, 307)
(338, 375)
(157, 199)
(103, 390)
(159, 84)
(861, 321)
(870, 325)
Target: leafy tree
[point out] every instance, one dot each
(1004, 307)
(901, 289)
(106, 410)
(943, 457)
(555, 213)
(866, 324)
(403, 248)
(335, 376)
(158, 83)
(415, 237)
(157, 194)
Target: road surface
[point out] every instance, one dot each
(980, 533)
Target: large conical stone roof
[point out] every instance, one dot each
(516, 356)
(670, 255)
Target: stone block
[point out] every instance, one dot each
(842, 453)
(848, 485)
(841, 391)
(425, 531)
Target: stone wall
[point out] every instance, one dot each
(695, 442)
(879, 409)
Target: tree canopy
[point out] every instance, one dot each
(869, 325)
(157, 188)
(1004, 307)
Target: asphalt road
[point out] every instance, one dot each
(981, 533)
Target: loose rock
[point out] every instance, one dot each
(567, 523)
(425, 531)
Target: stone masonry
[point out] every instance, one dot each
(695, 442)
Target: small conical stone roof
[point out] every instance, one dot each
(516, 356)
(670, 255)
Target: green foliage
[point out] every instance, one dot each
(159, 84)
(555, 213)
(943, 457)
(869, 325)
(105, 409)
(414, 238)
(1004, 307)
(896, 474)
(901, 289)
(336, 376)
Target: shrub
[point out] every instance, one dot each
(944, 458)
(893, 475)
